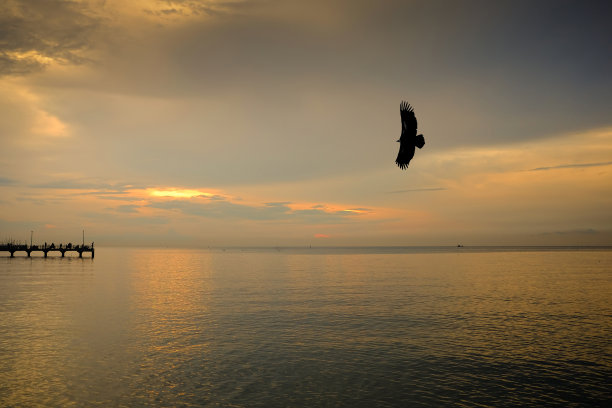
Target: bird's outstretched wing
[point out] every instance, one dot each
(409, 122)
(405, 154)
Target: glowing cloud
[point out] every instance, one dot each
(48, 125)
(355, 211)
(30, 56)
(178, 193)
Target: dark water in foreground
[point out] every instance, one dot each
(283, 328)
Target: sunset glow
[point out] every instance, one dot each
(238, 123)
(179, 193)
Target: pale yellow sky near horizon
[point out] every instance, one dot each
(200, 123)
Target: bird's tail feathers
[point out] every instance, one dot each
(420, 141)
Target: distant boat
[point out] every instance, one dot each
(459, 246)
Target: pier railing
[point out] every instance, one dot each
(46, 248)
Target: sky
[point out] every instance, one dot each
(203, 123)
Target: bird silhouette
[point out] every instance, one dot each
(409, 138)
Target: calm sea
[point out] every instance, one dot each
(282, 327)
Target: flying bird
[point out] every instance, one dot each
(409, 138)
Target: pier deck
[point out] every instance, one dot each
(62, 248)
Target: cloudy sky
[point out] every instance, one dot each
(273, 122)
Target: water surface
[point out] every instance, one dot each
(298, 327)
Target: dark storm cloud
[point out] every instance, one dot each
(33, 31)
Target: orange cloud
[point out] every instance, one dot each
(178, 193)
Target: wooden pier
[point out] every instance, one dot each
(62, 248)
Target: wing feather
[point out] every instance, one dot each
(409, 122)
